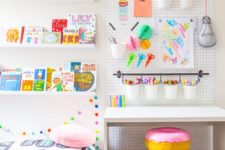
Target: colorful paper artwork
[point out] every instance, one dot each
(177, 46)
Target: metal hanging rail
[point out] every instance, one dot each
(200, 74)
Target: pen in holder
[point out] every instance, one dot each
(170, 88)
(190, 89)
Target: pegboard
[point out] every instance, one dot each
(204, 59)
(132, 138)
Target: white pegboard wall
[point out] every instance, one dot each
(132, 138)
(204, 58)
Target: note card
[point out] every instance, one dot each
(143, 8)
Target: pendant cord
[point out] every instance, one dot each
(206, 7)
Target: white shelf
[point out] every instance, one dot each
(165, 114)
(47, 46)
(36, 93)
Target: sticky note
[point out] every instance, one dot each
(143, 8)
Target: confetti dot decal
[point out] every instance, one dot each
(49, 130)
(96, 97)
(97, 131)
(72, 118)
(91, 100)
(24, 133)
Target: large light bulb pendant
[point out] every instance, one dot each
(206, 38)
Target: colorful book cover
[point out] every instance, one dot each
(85, 76)
(33, 35)
(12, 35)
(70, 36)
(39, 79)
(57, 81)
(50, 71)
(68, 81)
(10, 81)
(58, 25)
(84, 25)
(51, 38)
(27, 81)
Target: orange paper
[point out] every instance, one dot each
(143, 8)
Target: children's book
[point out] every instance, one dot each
(58, 25)
(70, 36)
(12, 35)
(27, 81)
(33, 35)
(50, 71)
(57, 81)
(84, 25)
(51, 38)
(10, 81)
(68, 81)
(85, 76)
(39, 79)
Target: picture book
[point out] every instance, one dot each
(27, 80)
(68, 81)
(57, 81)
(50, 71)
(33, 35)
(12, 35)
(85, 77)
(70, 36)
(85, 27)
(58, 25)
(51, 38)
(39, 79)
(10, 81)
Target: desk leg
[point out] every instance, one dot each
(106, 137)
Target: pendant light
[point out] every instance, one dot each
(206, 37)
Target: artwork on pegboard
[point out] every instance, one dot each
(177, 35)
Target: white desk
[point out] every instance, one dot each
(171, 114)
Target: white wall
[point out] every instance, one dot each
(42, 111)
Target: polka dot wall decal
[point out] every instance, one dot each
(49, 130)
(24, 133)
(95, 97)
(91, 100)
(94, 106)
(72, 118)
